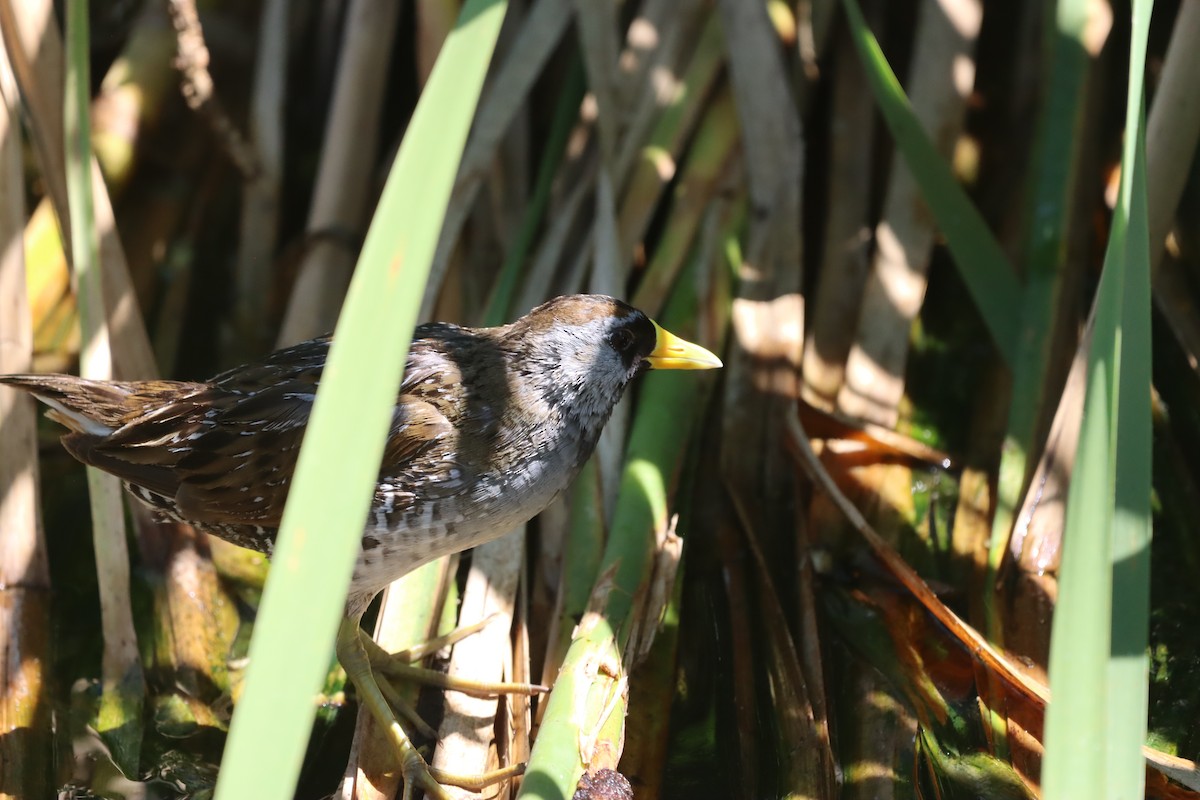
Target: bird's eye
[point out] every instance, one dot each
(621, 340)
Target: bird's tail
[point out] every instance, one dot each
(85, 406)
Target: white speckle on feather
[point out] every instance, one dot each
(165, 439)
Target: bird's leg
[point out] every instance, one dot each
(354, 660)
(352, 649)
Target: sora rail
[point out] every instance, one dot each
(489, 425)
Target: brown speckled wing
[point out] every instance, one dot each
(233, 446)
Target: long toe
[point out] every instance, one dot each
(477, 783)
(417, 775)
(398, 665)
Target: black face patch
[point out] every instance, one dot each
(634, 338)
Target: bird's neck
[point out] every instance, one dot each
(571, 405)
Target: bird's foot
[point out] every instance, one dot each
(397, 665)
(358, 654)
(474, 783)
(418, 775)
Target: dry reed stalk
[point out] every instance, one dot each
(543, 28)
(647, 166)
(635, 90)
(710, 160)
(876, 734)
(1173, 126)
(662, 91)
(517, 716)
(122, 681)
(1036, 540)
(344, 179)
(608, 276)
(24, 574)
(808, 763)
(596, 24)
(132, 355)
(260, 196)
(509, 187)
(466, 738)
(814, 27)
(555, 242)
(940, 80)
(744, 676)
(659, 43)
(520, 669)
(195, 612)
(845, 263)
(435, 20)
(35, 51)
(191, 60)
(761, 372)
(130, 98)
(192, 596)
(1172, 132)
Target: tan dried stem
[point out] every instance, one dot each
(540, 32)
(35, 51)
(1172, 132)
(260, 197)
(24, 575)
(344, 178)
(192, 591)
(845, 263)
(191, 60)
(941, 79)
(762, 367)
(466, 736)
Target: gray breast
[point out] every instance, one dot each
(406, 531)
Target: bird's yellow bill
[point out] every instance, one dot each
(671, 352)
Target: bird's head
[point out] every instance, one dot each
(583, 350)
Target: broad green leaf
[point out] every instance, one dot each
(339, 462)
(1096, 722)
